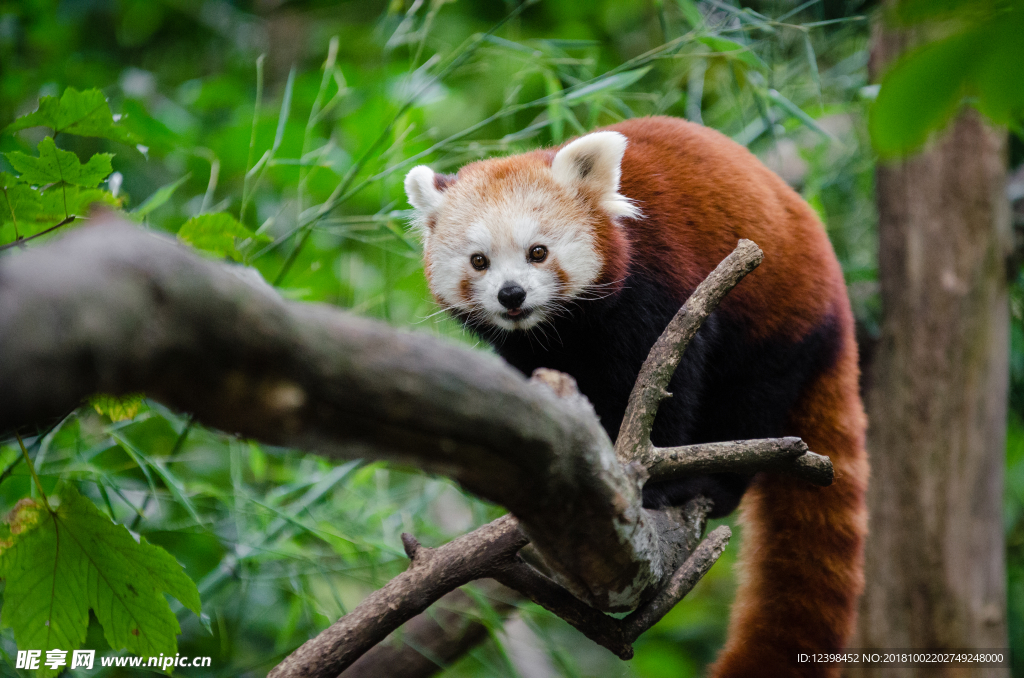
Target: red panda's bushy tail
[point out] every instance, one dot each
(801, 556)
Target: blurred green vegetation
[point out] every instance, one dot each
(972, 50)
(277, 133)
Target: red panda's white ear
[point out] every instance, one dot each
(421, 190)
(594, 161)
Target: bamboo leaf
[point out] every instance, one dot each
(614, 82)
(159, 197)
(731, 49)
(799, 114)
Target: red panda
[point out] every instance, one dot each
(575, 258)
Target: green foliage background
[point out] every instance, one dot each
(276, 134)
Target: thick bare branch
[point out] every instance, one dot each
(111, 308)
(634, 440)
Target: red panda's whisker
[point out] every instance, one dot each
(443, 309)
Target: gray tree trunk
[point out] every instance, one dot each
(937, 405)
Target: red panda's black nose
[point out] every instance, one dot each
(511, 295)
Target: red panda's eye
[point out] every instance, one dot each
(479, 262)
(538, 253)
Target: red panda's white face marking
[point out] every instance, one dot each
(513, 240)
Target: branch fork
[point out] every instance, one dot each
(114, 309)
(642, 461)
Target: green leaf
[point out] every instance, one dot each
(159, 197)
(999, 79)
(34, 210)
(55, 165)
(980, 63)
(9, 180)
(146, 128)
(690, 13)
(812, 64)
(555, 106)
(83, 113)
(215, 233)
(611, 82)
(19, 203)
(67, 200)
(58, 565)
(921, 92)
(908, 12)
(117, 408)
(731, 49)
(799, 114)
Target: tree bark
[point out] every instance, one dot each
(113, 309)
(436, 638)
(935, 565)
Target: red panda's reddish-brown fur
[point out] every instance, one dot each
(801, 568)
(699, 192)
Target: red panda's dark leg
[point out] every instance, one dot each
(801, 557)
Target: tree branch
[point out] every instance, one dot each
(347, 637)
(435, 638)
(432, 574)
(113, 309)
(595, 625)
(682, 582)
(784, 455)
(634, 439)
(20, 242)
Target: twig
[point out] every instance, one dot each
(634, 440)
(784, 455)
(21, 241)
(595, 625)
(682, 582)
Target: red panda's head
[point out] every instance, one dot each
(511, 240)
